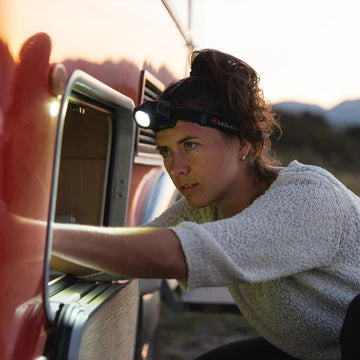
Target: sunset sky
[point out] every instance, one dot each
(303, 50)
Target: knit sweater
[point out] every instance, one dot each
(291, 260)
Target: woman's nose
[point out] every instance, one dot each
(179, 165)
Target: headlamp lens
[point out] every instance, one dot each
(142, 119)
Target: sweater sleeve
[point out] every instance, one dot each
(295, 226)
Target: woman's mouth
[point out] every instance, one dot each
(187, 188)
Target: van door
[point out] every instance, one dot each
(91, 316)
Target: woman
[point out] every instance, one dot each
(284, 240)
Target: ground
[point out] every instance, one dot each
(183, 336)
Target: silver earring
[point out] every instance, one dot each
(243, 157)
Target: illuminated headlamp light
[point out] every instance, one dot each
(161, 115)
(154, 115)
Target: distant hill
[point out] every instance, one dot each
(299, 108)
(344, 115)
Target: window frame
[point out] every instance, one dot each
(82, 86)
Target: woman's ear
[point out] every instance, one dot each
(244, 149)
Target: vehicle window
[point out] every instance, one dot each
(84, 165)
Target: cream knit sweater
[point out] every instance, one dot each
(291, 260)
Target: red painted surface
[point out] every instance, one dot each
(141, 181)
(27, 150)
(33, 36)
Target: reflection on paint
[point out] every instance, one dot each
(54, 108)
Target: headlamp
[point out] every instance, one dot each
(161, 115)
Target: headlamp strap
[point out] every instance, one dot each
(203, 118)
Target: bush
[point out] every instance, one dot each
(313, 141)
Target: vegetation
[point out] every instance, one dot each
(309, 139)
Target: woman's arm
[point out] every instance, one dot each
(131, 252)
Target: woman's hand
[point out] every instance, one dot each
(68, 267)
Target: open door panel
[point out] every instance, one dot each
(91, 317)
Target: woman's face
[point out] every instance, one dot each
(204, 166)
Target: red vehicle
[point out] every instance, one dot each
(70, 75)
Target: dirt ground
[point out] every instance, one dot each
(183, 336)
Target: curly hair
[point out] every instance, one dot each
(226, 85)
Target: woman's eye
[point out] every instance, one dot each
(164, 153)
(189, 146)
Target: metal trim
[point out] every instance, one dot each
(82, 85)
(187, 37)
